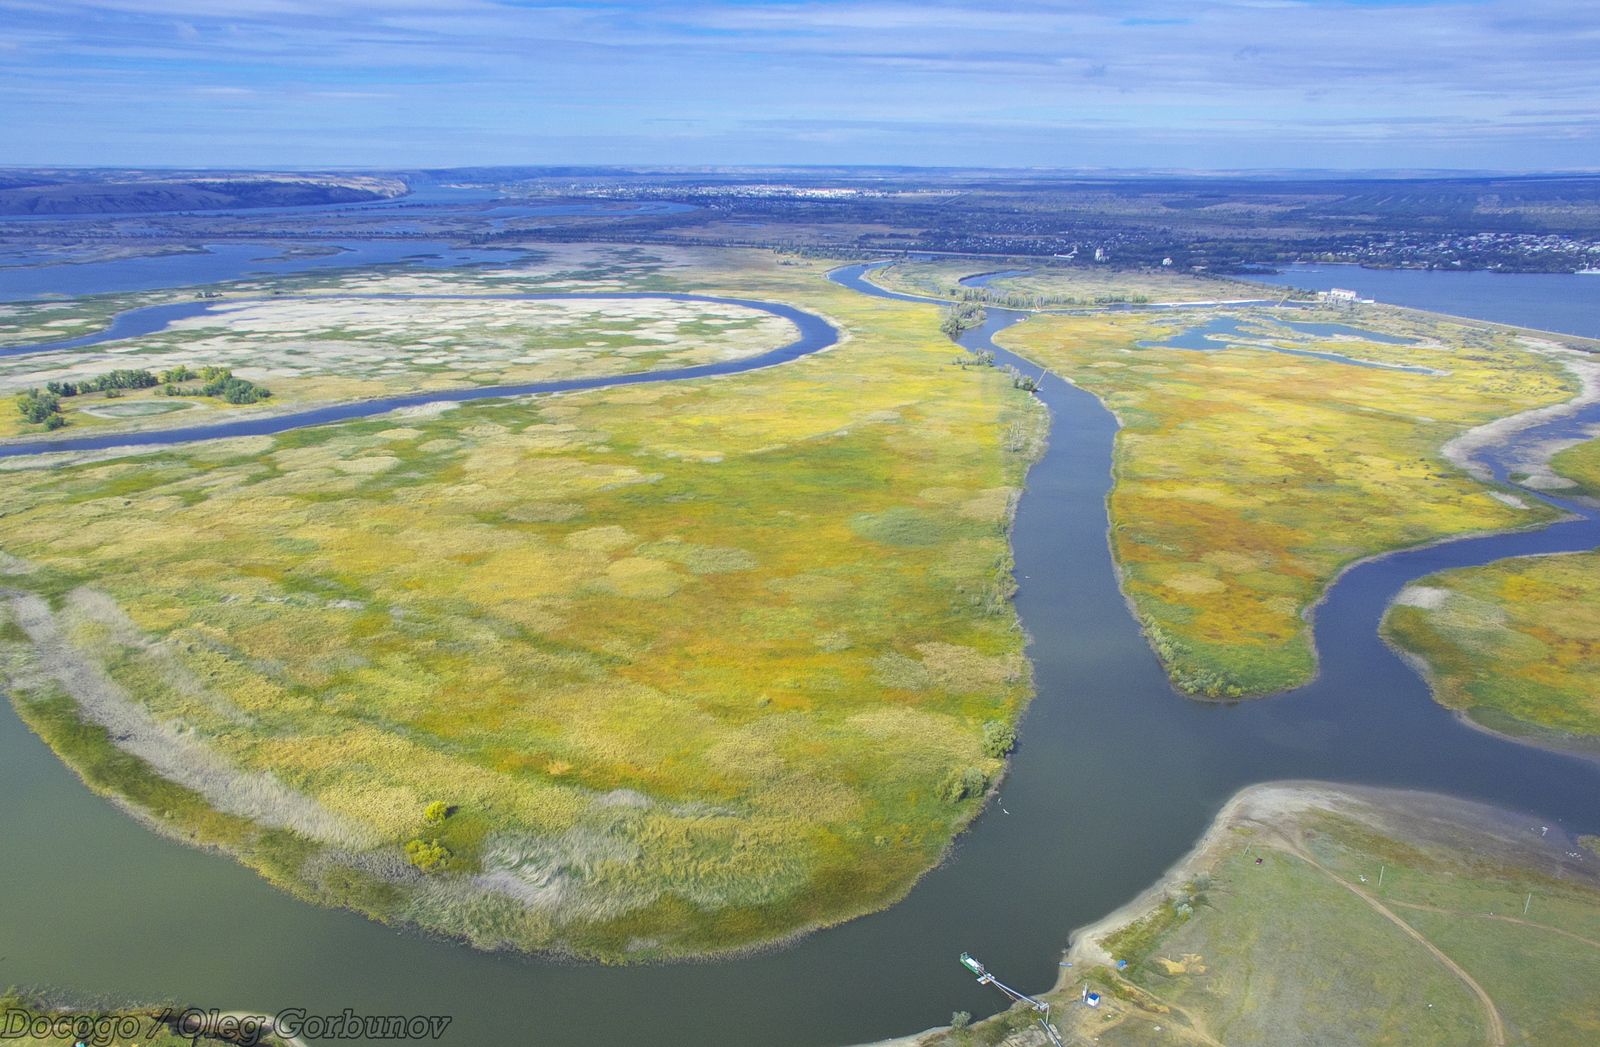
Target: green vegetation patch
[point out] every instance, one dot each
(1518, 639)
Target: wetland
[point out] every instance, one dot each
(1114, 776)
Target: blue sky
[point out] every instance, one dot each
(1494, 84)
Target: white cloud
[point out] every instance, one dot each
(1177, 69)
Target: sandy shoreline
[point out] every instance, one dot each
(1271, 812)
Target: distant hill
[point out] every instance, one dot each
(77, 193)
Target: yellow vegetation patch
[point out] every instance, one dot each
(1247, 479)
(650, 646)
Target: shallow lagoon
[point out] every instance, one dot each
(1214, 334)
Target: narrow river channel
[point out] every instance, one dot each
(1114, 778)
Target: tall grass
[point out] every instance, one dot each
(632, 637)
(1247, 480)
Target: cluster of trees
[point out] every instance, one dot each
(961, 318)
(219, 382)
(41, 408)
(999, 738)
(431, 855)
(1026, 383)
(112, 383)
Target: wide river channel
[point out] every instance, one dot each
(1114, 778)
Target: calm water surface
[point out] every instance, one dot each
(228, 262)
(1569, 304)
(1114, 778)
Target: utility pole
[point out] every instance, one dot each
(985, 978)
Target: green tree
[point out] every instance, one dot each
(427, 855)
(39, 407)
(998, 738)
(963, 785)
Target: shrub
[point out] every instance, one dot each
(178, 374)
(427, 855)
(960, 1020)
(436, 812)
(962, 785)
(998, 739)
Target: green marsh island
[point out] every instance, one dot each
(628, 674)
(1514, 646)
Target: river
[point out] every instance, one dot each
(1114, 778)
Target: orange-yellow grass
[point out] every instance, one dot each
(1246, 480)
(693, 661)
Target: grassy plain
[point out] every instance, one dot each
(1276, 931)
(693, 666)
(331, 337)
(1247, 479)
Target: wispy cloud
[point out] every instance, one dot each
(1234, 83)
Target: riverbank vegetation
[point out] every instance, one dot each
(1247, 479)
(1340, 918)
(690, 666)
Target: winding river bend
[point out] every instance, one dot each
(1114, 779)
(816, 334)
